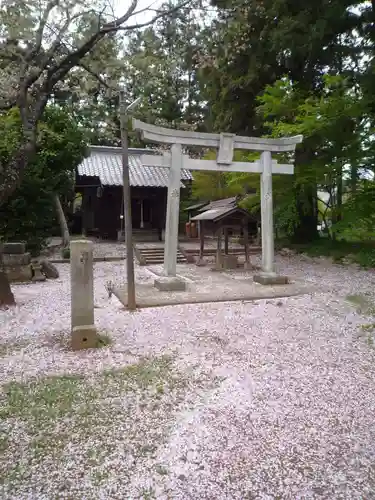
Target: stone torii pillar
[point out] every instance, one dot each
(225, 144)
(173, 210)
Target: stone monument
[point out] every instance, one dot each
(225, 144)
(83, 331)
(17, 262)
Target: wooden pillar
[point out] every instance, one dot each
(200, 261)
(226, 241)
(219, 259)
(246, 244)
(142, 224)
(201, 237)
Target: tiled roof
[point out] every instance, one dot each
(225, 202)
(215, 214)
(196, 206)
(106, 163)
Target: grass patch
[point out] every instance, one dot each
(11, 348)
(363, 304)
(361, 253)
(368, 328)
(369, 333)
(89, 422)
(104, 340)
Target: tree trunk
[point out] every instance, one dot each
(62, 221)
(339, 195)
(6, 295)
(306, 229)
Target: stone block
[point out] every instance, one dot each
(219, 266)
(17, 259)
(271, 279)
(170, 284)
(37, 273)
(190, 259)
(200, 262)
(84, 337)
(230, 261)
(14, 248)
(19, 273)
(49, 270)
(286, 252)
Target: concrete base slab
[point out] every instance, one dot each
(270, 279)
(170, 284)
(194, 294)
(84, 337)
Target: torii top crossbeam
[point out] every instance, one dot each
(224, 142)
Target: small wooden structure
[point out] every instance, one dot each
(221, 221)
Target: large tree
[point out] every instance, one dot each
(159, 63)
(253, 44)
(41, 41)
(31, 214)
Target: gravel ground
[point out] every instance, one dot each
(267, 399)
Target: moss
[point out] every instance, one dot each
(86, 420)
(65, 253)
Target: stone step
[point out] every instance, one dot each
(160, 255)
(232, 251)
(146, 254)
(153, 256)
(152, 252)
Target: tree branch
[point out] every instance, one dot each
(160, 14)
(96, 76)
(61, 69)
(43, 22)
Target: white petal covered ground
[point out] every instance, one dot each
(267, 399)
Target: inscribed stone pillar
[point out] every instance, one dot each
(173, 211)
(83, 333)
(267, 213)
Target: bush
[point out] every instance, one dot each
(65, 253)
(30, 213)
(362, 253)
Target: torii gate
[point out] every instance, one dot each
(226, 144)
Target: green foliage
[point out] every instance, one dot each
(359, 213)
(65, 253)
(210, 186)
(262, 77)
(359, 253)
(30, 214)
